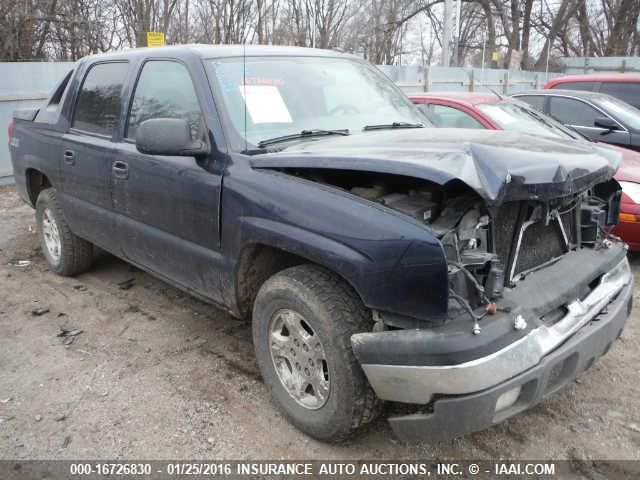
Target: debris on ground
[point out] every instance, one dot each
(60, 417)
(19, 263)
(38, 418)
(67, 335)
(126, 284)
(79, 287)
(6, 419)
(67, 441)
(6, 400)
(634, 427)
(39, 311)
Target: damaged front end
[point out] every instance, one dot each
(538, 289)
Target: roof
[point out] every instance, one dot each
(466, 98)
(221, 51)
(596, 77)
(584, 94)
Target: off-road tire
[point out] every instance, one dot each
(333, 310)
(76, 254)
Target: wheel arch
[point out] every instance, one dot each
(36, 182)
(258, 262)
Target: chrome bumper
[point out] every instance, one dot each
(418, 384)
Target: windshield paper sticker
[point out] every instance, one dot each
(265, 104)
(499, 115)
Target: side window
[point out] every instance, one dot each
(586, 86)
(449, 117)
(573, 112)
(54, 99)
(536, 101)
(164, 90)
(48, 113)
(625, 91)
(100, 100)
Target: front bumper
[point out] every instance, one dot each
(516, 376)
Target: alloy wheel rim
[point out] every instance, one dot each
(51, 235)
(299, 359)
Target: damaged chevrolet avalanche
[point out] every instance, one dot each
(461, 276)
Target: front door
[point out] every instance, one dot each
(168, 206)
(581, 116)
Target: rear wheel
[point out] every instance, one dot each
(66, 253)
(303, 319)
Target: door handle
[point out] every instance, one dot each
(120, 169)
(69, 157)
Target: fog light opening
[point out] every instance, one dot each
(508, 398)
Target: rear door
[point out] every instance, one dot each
(168, 207)
(84, 191)
(580, 115)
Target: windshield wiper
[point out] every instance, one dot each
(393, 125)
(302, 134)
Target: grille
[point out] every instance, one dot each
(540, 242)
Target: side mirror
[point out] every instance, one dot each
(168, 136)
(607, 123)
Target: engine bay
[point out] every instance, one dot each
(487, 248)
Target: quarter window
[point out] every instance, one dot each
(99, 102)
(573, 112)
(165, 90)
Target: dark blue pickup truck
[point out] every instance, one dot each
(461, 275)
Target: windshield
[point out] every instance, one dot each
(515, 116)
(289, 95)
(624, 112)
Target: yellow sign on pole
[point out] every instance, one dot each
(155, 39)
(495, 56)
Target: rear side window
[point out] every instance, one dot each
(100, 98)
(164, 90)
(573, 112)
(48, 114)
(587, 86)
(536, 101)
(626, 91)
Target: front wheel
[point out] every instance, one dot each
(66, 253)
(303, 319)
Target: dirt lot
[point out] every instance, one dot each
(156, 374)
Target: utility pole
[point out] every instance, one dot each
(456, 32)
(446, 37)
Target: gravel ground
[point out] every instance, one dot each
(156, 374)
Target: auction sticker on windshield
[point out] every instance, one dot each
(265, 104)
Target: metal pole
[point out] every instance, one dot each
(484, 46)
(457, 32)
(546, 70)
(446, 37)
(313, 27)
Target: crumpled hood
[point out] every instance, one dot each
(498, 165)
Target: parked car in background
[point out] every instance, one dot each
(625, 86)
(494, 112)
(600, 117)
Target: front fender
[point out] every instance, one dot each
(394, 264)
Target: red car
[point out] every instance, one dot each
(495, 112)
(625, 86)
